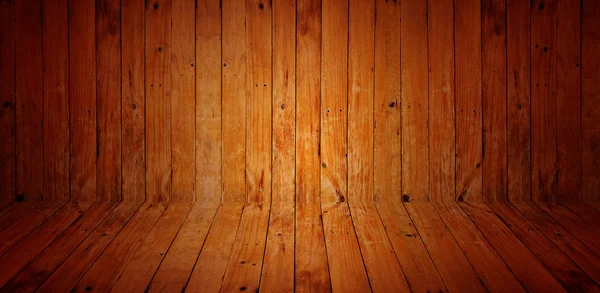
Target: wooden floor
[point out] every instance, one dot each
(209, 247)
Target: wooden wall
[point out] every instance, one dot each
(313, 102)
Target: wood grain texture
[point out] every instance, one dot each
(311, 267)
(278, 268)
(55, 23)
(8, 109)
(29, 100)
(82, 100)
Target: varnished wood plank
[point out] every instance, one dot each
(468, 107)
(82, 100)
(29, 100)
(158, 101)
(278, 268)
(108, 95)
(543, 99)
(415, 101)
(61, 223)
(102, 257)
(490, 267)
(311, 271)
(244, 268)
(568, 100)
(210, 267)
(49, 259)
(571, 273)
(55, 22)
(183, 99)
(7, 110)
(518, 30)
(531, 273)
(383, 269)
(441, 100)
(132, 101)
(494, 100)
(147, 257)
(346, 267)
(233, 101)
(454, 268)
(177, 266)
(11, 213)
(590, 104)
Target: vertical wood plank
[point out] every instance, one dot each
(278, 267)
(312, 271)
(415, 101)
(82, 111)
(468, 101)
(183, 62)
(158, 100)
(244, 268)
(346, 267)
(29, 100)
(132, 102)
(108, 89)
(234, 101)
(441, 100)
(494, 100)
(568, 100)
(7, 99)
(56, 99)
(590, 100)
(543, 100)
(519, 100)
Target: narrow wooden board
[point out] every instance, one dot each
(61, 223)
(183, 99)
(132, 101)
(468, 104)
(102, 257)
(582, 260)
(158, 101)
(494, 68)
(11, 213)
(29, 100)
(278, 268)
(491, 268)
(82, 100)
(518, 38)
(55, 23)
(415, 101)
(590, 104)
(454, 268)
(177, 266)
(244, 268)
(568, 100)
(145, 260)
(543, 99)
(210, 267)
(311, 268)
(346, 268)
(233, 100)
(49, 259)
(7, 109)
(108, 99)
(531, 273)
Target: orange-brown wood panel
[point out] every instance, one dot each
(311, 267)
(29, 100)
(519, 100)
(133, 101)
(108, 91)
(82, 100)
(7, 99)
